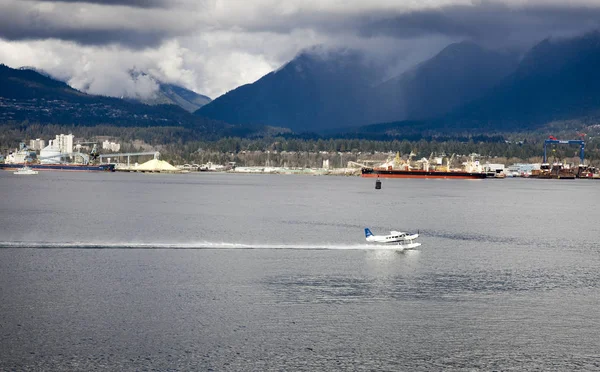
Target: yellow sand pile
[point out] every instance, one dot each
(156, 165)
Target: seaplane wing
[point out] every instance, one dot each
(395, 237)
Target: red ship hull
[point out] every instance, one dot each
(61, 167)
(396, 173)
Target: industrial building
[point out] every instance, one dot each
(112, 146)
(37, 144)
(64, 142)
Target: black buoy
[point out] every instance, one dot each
(377, 184)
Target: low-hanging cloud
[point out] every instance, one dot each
(491, 24)
(212, 46)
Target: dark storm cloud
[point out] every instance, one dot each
(130, 3)
(490, 24)
(217, 45)
(131, 39)
(147, 23)
(135, 28)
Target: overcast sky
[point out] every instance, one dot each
(212, 46)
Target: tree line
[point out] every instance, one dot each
(184, 145)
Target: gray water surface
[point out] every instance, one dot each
(265, 272)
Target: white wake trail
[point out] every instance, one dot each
(191, 245)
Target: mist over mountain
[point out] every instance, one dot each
(460, 73)
(320, 92)
(161, 93)
(152, 91)
(180, 96)
(463, 87)
(26, 95)
(557, 80)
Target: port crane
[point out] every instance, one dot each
(552, 140)
(62, 157)
(94, 153)
(449, 162)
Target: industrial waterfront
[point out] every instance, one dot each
(64, 153)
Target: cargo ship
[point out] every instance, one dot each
(416, 173)
(53, 160)
(61, 167)
(398, 169)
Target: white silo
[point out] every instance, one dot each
(48, 151)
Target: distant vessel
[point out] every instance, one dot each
(556, 171)
(60, 167)
(415, 173)
(53, 161)
(588, 172)
(397, 170)
(26, 170)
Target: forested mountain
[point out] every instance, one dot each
(557, 80)
(462, 88)
(180, 96)
(315, 91)
(28, 95)
(460, 73)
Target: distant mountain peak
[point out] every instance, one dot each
(319, 89)
(459, 73)
(462, 46)
(167, 93)
(556, 80)
(551, 54)
(319, 58)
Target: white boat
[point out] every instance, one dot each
(26, 170)
(396, 239)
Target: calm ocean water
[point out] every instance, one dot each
(257, 272)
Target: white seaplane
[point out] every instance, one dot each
(396, 239)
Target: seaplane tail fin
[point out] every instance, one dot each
(368, 233)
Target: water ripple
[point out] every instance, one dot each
(439, 286)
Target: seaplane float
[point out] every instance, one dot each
(395, 240)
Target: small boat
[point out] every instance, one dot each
(395, 240)
(25, 170)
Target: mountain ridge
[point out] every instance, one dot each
(319, 92)
(459, 73)
(557, 80)
(26, 95)
(166, 93)
(464, 87)
(303, 93)
(169, 94)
